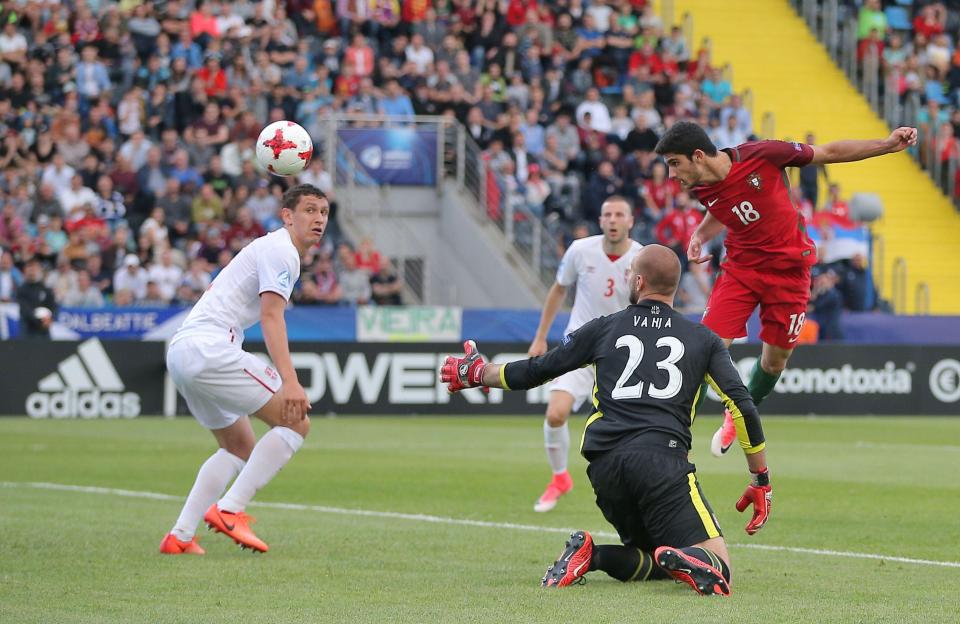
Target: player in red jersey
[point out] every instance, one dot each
(769, 254)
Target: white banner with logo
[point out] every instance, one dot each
(409, 324)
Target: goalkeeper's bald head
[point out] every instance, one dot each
(654, 274)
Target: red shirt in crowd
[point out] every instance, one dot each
(661, 192)
(927, 27)
(517, 11)
(677, 226)
(415, 10)
(214, 82)
(243, 233)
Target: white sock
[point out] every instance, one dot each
(212, 479)
(557, 442)
(271, 453)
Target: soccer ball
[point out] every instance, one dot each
(284, 148)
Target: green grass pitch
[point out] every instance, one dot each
(869, 486)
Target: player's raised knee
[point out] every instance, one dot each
(301, 426)
(773, 364)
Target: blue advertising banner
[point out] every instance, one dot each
(119, 323)
(419, 323)
(108, 322)
(401, 156)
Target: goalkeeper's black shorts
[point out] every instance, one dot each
(649, 492)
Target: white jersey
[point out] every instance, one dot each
(602, 286)
(271, 263)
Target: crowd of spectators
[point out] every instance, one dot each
(914, 44)
(127, 129)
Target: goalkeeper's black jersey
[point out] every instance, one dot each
(650, 363)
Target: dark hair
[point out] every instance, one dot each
(685, 137)
(292, 196)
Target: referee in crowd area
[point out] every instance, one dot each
(650, 363)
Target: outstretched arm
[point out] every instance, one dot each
(852, 150)
(473, 370)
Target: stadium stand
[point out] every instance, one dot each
(128, 128)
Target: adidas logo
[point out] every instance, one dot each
(86, 386)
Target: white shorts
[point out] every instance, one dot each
(577, 383)
(220, 381)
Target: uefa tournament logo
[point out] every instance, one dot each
(372, 157)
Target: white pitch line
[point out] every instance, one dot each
(396, 515)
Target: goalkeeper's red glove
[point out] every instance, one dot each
(760, 495)
(464, 372)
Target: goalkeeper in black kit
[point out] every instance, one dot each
(650, 363)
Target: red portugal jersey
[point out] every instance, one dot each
(765, 230)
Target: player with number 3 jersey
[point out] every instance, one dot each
(598, 266)
(746, 191)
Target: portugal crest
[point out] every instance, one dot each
(754, 180)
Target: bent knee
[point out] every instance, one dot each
(240, 448)
(556, 417)
(301, 426)
(773, 365)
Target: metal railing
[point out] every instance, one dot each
(921, 299)
(768, 126)
(898, 274)
(877, 261)
(494, 197)
(835, 25)
(488, 192)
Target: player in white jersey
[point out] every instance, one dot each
(223, 384)
(599, 266)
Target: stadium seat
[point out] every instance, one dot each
(898, 18)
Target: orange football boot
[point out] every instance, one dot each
(236, 526)
(172, 546)
(558, 486)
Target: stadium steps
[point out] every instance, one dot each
(774, 54)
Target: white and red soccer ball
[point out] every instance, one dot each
(284, 148)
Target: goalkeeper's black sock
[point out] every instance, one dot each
(626, 563)
(761, 383)
(708, 557)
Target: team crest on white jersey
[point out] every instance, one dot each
(284, 279)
